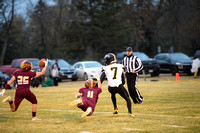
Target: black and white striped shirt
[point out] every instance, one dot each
(132, 63)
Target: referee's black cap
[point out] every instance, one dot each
(129, 49)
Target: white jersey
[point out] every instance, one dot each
(114, 74)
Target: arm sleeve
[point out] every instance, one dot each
(102, 77)
(100, 90)
(80, 90)
(14, 74)
(33, 73)
(139, 65)
(123, 79)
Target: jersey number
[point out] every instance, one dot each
(90, 94)
(115, 73)
(23, 80)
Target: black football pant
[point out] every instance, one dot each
(133, 91)
(123, 93)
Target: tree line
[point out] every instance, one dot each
(88, 29)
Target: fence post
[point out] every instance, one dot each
(144, 76)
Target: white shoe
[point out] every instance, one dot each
(7, 99)
(35, 119)
(87, 112)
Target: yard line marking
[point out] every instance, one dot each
(76, 111)
(85, 132)
(133, 129)
(174, 126)
(192, 117)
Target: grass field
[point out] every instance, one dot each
(169, 106)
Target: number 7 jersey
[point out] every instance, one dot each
(23, 78)
(114, 74)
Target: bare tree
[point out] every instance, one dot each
(7, 13)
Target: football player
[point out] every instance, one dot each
(23, 79)
(89, 96)
(115, 77)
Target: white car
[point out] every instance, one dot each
(87, 69)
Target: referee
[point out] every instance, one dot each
(132, 65)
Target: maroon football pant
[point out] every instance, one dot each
(24, 93)
(87, 104)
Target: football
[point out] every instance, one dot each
(41, 63)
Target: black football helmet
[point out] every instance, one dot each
(109, 58)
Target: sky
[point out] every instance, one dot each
(22, 5)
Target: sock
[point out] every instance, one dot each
(33, 114)
(11, 102)
(195, 74)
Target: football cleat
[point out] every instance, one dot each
(115, 111)
(35, 119)
(131, 115)
(87, 112)
(75, 103)
(7, 99)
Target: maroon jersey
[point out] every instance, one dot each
(23, 79)
(90, 94)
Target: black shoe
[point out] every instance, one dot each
(115, 111)
(140, 102)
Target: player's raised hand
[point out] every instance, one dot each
(46, 62)
(2, 92)
(97, 76)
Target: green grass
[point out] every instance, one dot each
(169, 106)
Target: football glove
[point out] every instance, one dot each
(46, 62)
(97, 76)
(2, 92)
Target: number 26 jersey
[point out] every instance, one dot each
(23, 79)
(114, 74)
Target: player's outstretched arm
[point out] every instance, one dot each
(102, 77)
(78, 95)
(7, 85)
(97, 76)
(38, 74)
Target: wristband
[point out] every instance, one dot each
(7, 86)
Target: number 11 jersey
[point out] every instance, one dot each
(114, 74)
(91, 94)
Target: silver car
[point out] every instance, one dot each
(87, 69)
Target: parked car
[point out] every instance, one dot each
(3, 75)
(15, 65)
(197, 54)
(149, 65)
(66, 71)
(3, 79)
(174, 62)
(87, 69)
